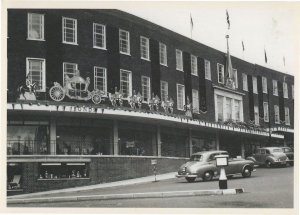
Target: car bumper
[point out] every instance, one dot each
(186, 176)
(279, 162)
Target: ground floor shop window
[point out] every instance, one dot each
(83, 140)
(136, 142)
(201, 144)
(14, 176)
(174, 145)
(27, 139)
(63, 170)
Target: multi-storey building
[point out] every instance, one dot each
(73, 129)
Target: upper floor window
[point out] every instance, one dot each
(164, 90)
(235, 78)
(285, 90)
(35, 29)
(126, 82)
(124, 42)
(220, 69)
(254, 81)
(276, 112)
(266, 111)
(36, 73)
(69, 70)
(275, 88)
(245, 82)
(179, 61)
(195, 101)
(69, 30)
(163, 54)
(207, 69)
(100, 80)
(99, 36)
(287, 115)
(194, 66)
(264, 84)
(292, 91)
(180, 96)
(146, 88)
(144, 43)
(256, 115)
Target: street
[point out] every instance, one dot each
(266, 188)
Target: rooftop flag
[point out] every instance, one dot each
(284, 60)
(192, 24)
(229, 79)
(228, 21)
(243, 45)
(266, 59)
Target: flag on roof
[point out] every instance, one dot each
(227, 17)
(266, 59)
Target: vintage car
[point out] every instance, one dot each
(269, 156)
(203, 165)
(290, 154)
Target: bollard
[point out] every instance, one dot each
(222, 161)
(222, 179)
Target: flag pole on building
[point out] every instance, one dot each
(192, 25)
(243, 46)
(266, 58)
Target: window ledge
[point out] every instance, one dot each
(42, 40)
(96, 47)
(181, 70)
(166, 65)
(146, 59)
(124, 53)
(76, 44)
(194, 74)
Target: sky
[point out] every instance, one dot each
(261, 26)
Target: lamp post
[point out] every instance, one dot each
(222, 161)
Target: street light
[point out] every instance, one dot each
(222, 161)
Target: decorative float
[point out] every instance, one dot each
(75, 88)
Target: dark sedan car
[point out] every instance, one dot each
(290, 154)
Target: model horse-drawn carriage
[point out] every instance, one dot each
(75, 88)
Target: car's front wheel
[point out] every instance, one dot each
(246, 172)
(268, 164)
(208, 176)
(190, 180)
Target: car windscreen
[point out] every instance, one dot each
(196, 158)
(277, 150)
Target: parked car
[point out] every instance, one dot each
(290, 154)
(269, 156)
(203, 165)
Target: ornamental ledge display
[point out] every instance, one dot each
(130, 112)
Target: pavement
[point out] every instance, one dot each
(69, 194)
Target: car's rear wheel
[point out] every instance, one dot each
(207, 176)
(268, 164)
(190, 180)
(246, 172)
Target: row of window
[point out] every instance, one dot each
(276, 114)
(265, 86)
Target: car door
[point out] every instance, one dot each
(233, 166)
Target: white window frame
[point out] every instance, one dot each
(164, 89)
(222, 73)
(126, 42)
(254, 84)
(96, 35)
(276, 110)
(275, 87)
(194, 65)
(179, 60)
(256, 115)
(147, 87)
(145, 48)
(29, 26)
(264, 84)
(285, 90)
(163, 57)
(183, 94)
(245, 82)
(64, 19)
(104, 77)
(67, 73)
(129, 81)
(195, 100)
(235, 75)
(287, 116)
(43, 72)
(207, 69)
(266, 111)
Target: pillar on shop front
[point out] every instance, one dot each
(190, 142)
(53, 136)
(217, 141)
(243, 150)
(154, 145)
(158, 141)
(116, 137)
